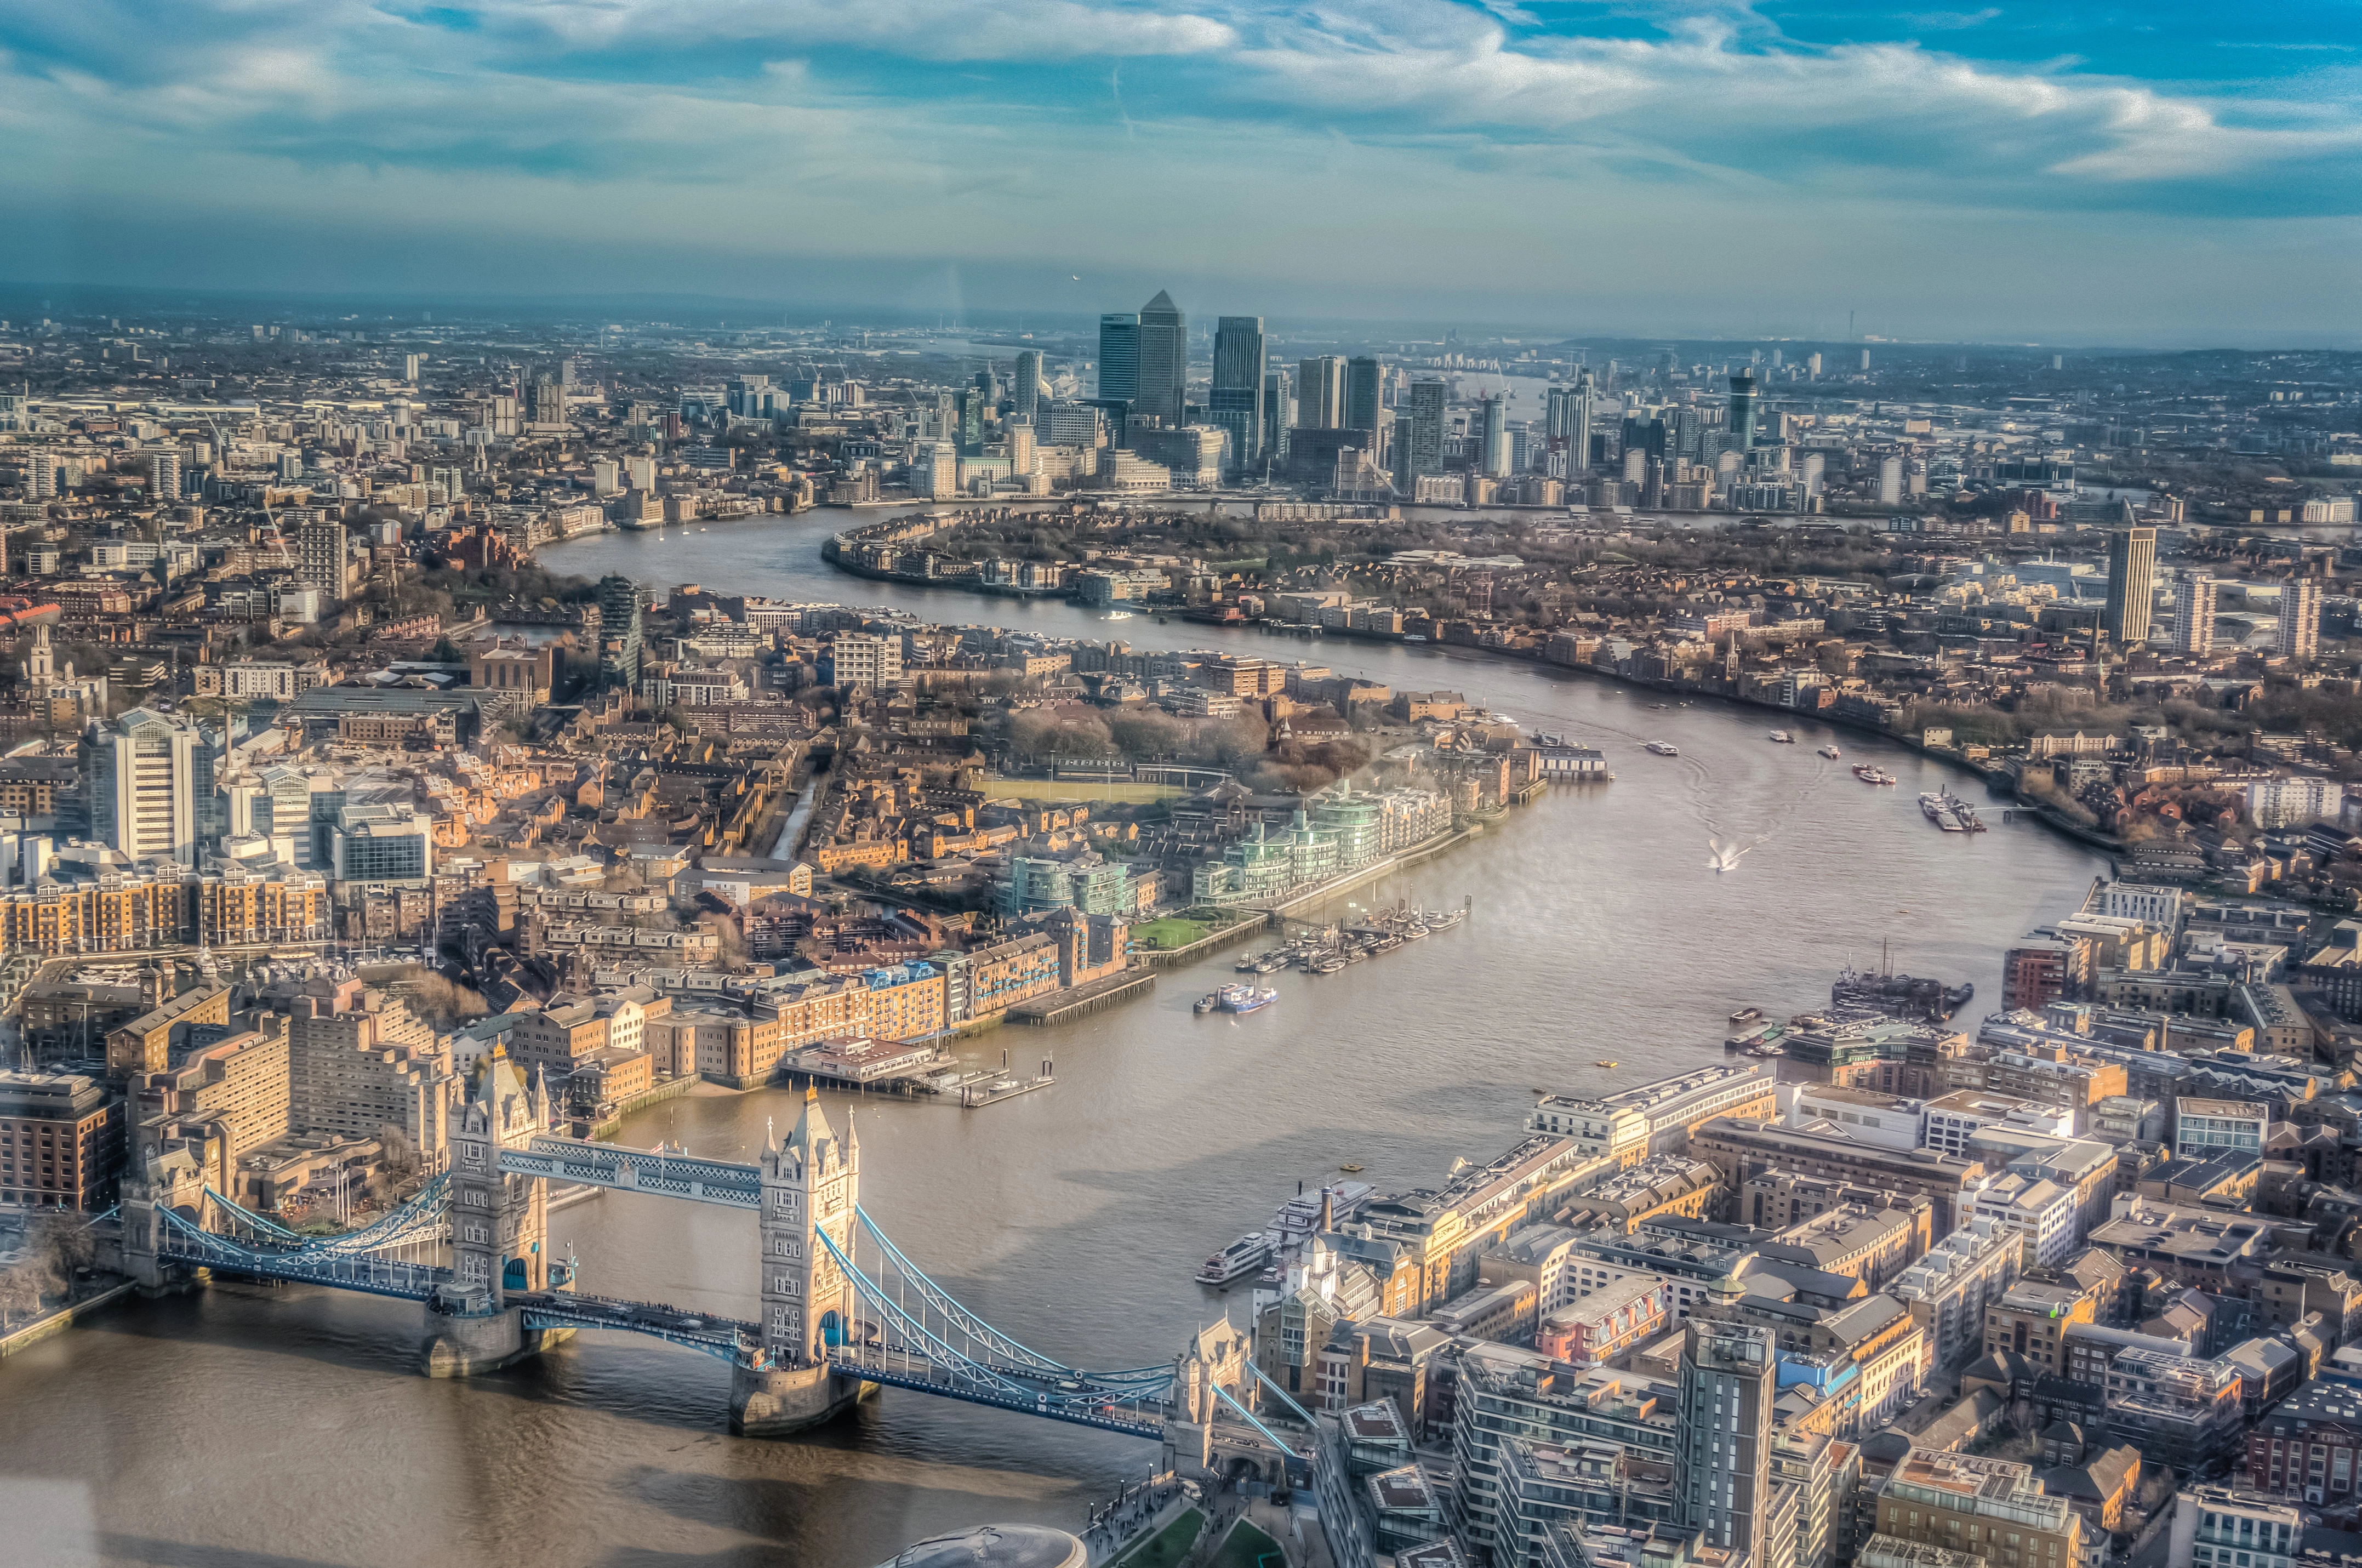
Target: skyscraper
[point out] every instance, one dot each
(2300, 633)
(1557, 419)
(1363, 400)
(2194, 613)
(1120, 358)
(1742, 409)
(1278, 413)
(619, 632)
(2132, 582)
(143, 775)
(1320, 394)
(326, 556)
(1164, 359)
(1234, 401)
(1029, 384)
(1426, 455)
(1722, 1466)
(1495, 448)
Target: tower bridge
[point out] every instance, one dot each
(842, 1310)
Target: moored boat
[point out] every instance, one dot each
(1244, 999)
(1240, 1258)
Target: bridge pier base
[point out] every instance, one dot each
(470, 1346)
(780, 1401)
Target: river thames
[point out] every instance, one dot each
(288, 1428)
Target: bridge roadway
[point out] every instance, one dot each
(659, 1173)
(1031, 1393)
(724, 1339)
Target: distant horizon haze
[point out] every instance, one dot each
(1739, 169)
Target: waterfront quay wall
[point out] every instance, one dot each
(829, 552)
(1230, 935)
(64, 1317)
(1084, 999)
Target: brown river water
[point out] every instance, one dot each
(288, 1428)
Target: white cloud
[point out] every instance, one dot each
(1700, 99)
(926, 29)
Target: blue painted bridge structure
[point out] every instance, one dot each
(903, 1329)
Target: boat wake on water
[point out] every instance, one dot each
(1722, 857)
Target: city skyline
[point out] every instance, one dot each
(1759, 172)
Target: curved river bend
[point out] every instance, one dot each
(287, 1427)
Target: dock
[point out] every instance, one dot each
(976, 1097)
(990, 1087)
(897, 1065)
(1062, 1006)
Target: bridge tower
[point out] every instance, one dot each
(499, 1227)
(810, 1184)
(1215, 1358)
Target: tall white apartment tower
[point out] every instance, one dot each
(2194, 613)
(2299, 634)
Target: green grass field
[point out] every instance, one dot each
(1167, 1546)
(1074, 789)
(1247, 1547)
(1169, 934)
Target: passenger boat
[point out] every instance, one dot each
(1664, 748)
(1869, 774)
(1831, 752)
(1782, 737)
(1240, 1258)
(1244, 999)
(1946, 811)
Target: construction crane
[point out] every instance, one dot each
(283, 556)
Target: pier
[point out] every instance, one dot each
(867, 1064)
(1083, 1000)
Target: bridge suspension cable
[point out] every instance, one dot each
(186, 1241)
(943, 1301)
(422, 1212)
(903, 1348)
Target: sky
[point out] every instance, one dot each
(2168, 172)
